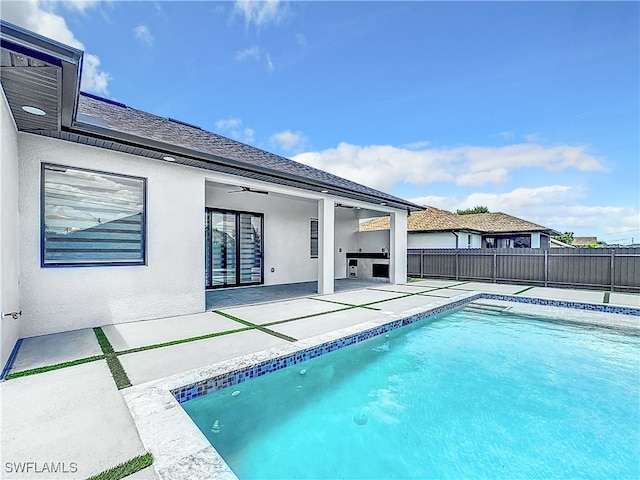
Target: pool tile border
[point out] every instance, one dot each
(203, 387)
(180, 449)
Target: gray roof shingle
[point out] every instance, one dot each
(120, 118)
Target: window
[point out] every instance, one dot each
(313, 235)
(91, 218)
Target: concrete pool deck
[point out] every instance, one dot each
(76, 415)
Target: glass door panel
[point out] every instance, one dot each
(223, 248)
(250, 248)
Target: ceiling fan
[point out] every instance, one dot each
(250, 190)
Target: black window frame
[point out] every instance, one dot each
(91, 263)
(314, 239)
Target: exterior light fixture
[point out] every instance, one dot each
(33, 110)
(169, 159)
(382, 204)
(324, 191)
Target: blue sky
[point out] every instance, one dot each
(529, 108)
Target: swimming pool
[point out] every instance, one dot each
(474, 393)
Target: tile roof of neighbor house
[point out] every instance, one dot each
(584, 241)
(434, 220)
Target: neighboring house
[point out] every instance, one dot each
(555, 243)
(584, 242)
(435, 228)
(124, 215)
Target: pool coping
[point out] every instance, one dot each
(180, 450)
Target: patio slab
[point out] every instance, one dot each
(274, 312)
(74, 415)
(626, 299)
(444, 293)
(124, 336)
(501, 288)
(434, 283)
(161, 362)
(407, 303)
(589, 296)
(56, 348)
(310, 327)
(404, 289)
(360, 297)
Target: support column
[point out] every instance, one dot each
(398, 244)
(326, 240)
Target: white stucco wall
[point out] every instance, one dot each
(59, 299)
(373, 242)
(9, 266)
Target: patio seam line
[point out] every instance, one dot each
(56, 366)
(523, 290)
(118, 372)
(342, 303)
(180, 341)
(311, 315)
(257, 327)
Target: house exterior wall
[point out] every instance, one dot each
(9, 240)
(434, 240)
(373, 242)
(68, 298)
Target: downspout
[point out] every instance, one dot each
(455, 235)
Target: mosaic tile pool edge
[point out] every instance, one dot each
(235, 377)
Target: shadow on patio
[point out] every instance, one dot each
(231, 297)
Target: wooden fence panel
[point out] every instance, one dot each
(615, 269)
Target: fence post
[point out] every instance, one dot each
(546, 267)
(613, 262)
(495, 266)
(457, 266)
(421, 263)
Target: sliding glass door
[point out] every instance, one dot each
(233, 248)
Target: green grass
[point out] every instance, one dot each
(126, 468)
(522, 291)
(116, 368)
(257, 327)
(48, 368)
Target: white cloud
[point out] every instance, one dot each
(288, 140)
(143, 34)
(555, 206)
(416, 145)
(234, 128)
(80, 5)
(253, 52)
(41, 18)
(261, 12)
(382, 166)
(257, 54)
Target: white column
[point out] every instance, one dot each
(326, 241)
(398, 253)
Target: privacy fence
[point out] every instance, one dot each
(615, 269)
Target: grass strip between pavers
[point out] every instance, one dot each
(522, 291)
(257, 327)
(117, 370)
(183, 340)
(48, 368)
(125, 469)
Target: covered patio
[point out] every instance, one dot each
(231, 297)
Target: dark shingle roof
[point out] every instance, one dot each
(205, 145)
(434, 220)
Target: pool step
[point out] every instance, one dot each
(484, 308)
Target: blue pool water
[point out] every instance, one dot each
(460, 395)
